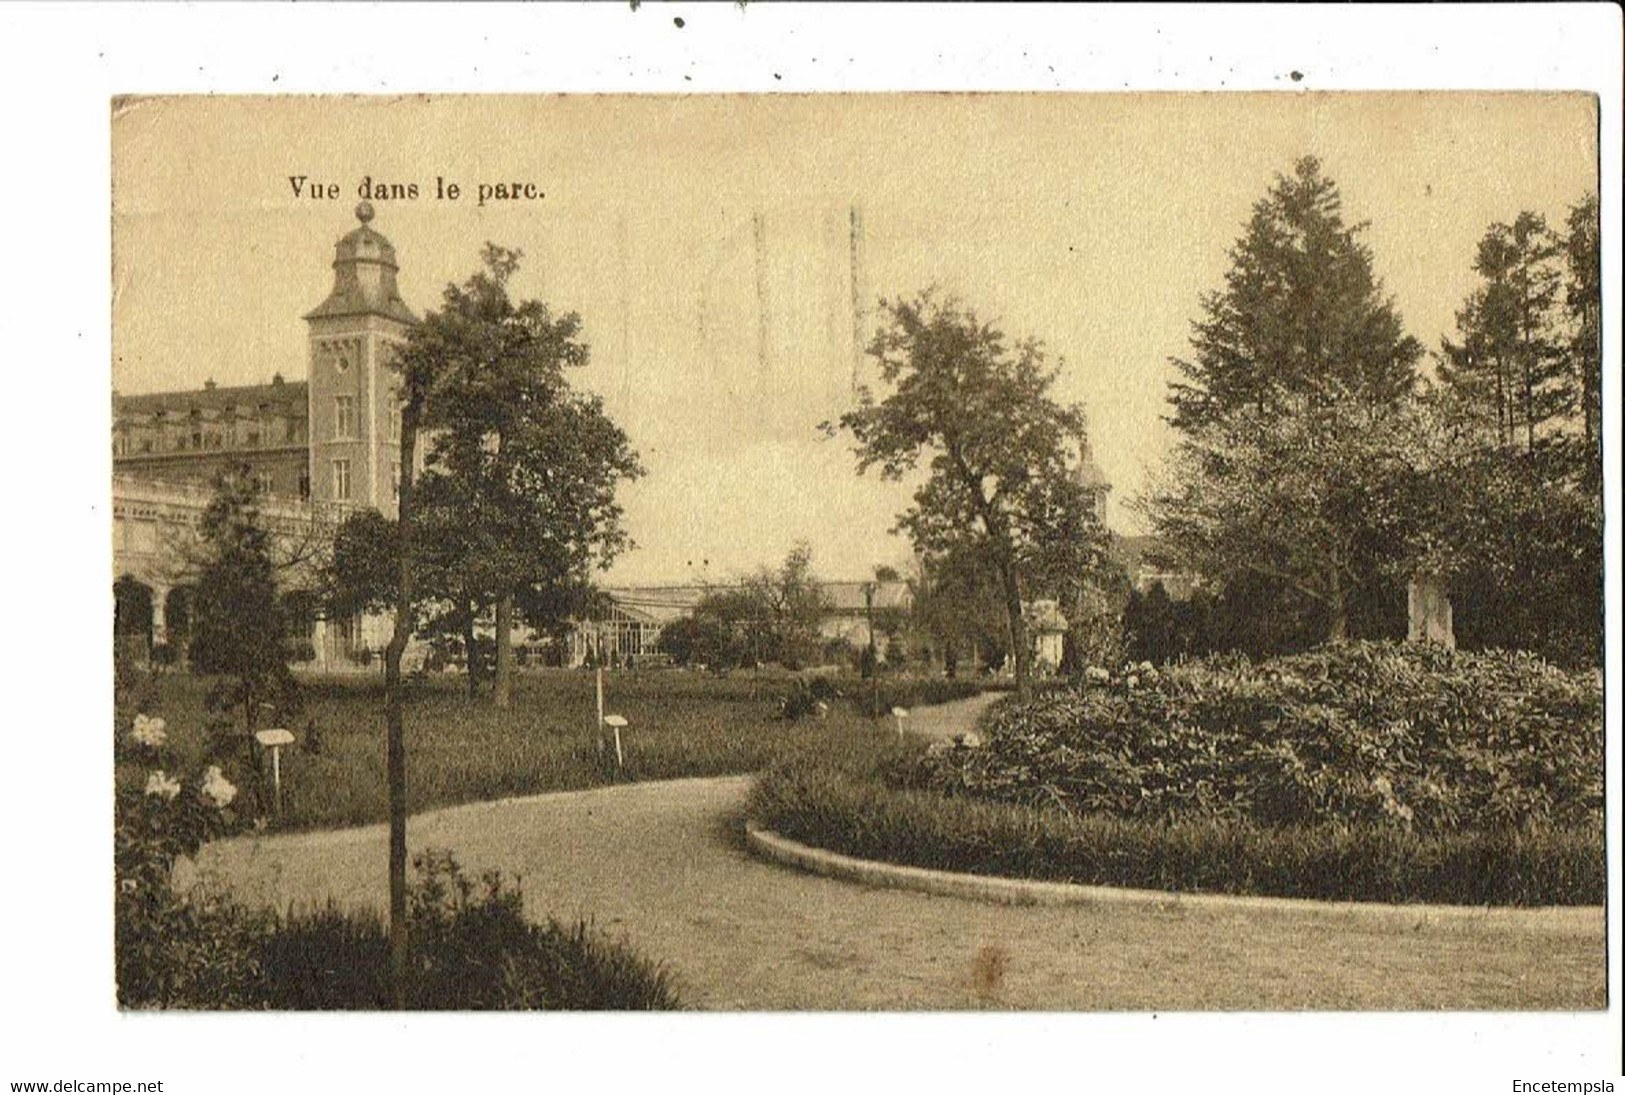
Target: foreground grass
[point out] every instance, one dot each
(680, 725)
(851, 805)
(471, 948)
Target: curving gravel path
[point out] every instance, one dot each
(664, 864)
(947, 719)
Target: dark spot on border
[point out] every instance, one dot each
(1296, 75)
(677, 22)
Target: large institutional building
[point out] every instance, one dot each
(318, 448)
(331, 439)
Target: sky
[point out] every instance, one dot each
(707, 243)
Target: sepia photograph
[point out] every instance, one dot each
(1015, 551)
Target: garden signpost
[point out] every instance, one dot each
(615, 722)
(899, 713)
(274, 739)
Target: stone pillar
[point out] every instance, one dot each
(318, 642)
(160, 630)
(1431, 620)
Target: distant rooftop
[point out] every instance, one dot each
(663, 603)
(212, 397)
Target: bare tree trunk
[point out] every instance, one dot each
(1588, 381)
(1337, 627)
(1529, 410)
(504, 681)
(1503, 405)
(1588, 396)
(394, 713)
(471, 609)
(1018, 630)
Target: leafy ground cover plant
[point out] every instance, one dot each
(1410, 735)
(1356, 772)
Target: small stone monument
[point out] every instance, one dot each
(1428, 602)
(1048, 630)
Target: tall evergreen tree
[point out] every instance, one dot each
(1510, 369)
(1584, 300)
(239, 626)
(1292, 414)
(1300, 317)
(1516, 497)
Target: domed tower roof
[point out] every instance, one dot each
(1089, 473)
(364, 276)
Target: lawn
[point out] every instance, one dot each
(681, 724)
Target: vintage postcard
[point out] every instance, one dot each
(1062, 552)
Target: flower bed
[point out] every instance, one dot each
(1409, 735)
(1361, 772)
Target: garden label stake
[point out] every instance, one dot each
(616, 722)
(274, 739)
(598, 730)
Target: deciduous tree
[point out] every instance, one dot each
(788, 604)
(521, 470)
(998, 451)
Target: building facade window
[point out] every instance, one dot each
(395, 477)
(264, 482)
(341, 480)
(343, 417)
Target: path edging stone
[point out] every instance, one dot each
(1019, 891)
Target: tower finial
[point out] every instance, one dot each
(363, 212)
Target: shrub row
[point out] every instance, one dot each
(1407, 735)
(911, 692)
(811, 696)
(848, 809)
(472, 949)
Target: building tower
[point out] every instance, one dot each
(354, 403)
